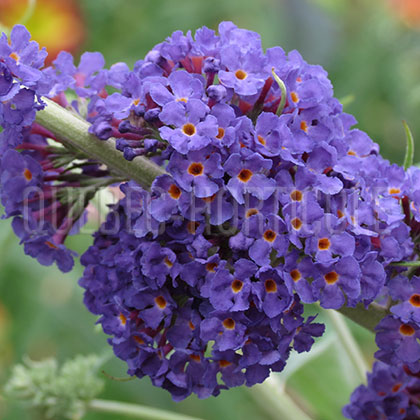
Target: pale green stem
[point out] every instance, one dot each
(367, 318)
(136, 411)
(273, 399)
(283, 90)
(72, 130)
(406, 264)
(349, 344)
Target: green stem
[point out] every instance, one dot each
(349, 344)
(406, 264)
(72, 130)
(134, 410)
(367, 318)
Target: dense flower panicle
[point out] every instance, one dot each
(392, 393)
(200, 281)
(42, 188)
(164, 307)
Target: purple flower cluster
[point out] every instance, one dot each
(182, 312)
(258, 212)
(40, 187)
(270, 200)
(392, 393)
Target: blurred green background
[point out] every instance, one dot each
(371, 50)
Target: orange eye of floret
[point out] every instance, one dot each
(241, 75)
(245, 175)
(324, 244)
(27, 174)
(331, 277)
(220, 133)
(174, 192)
(229, 323)
(270, 286)
(189, 129)
(406, 330)
(196, 169)
(211, 267)
(251, 212)
(296, 195)
(415, 300)
(261, 139)
(270, 235)
(237, 285)
(160, 302)
(296, 223)
(295, 275)
(295, 97)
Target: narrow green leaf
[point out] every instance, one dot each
(283, 90)
(409, 152)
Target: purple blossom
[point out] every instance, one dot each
(247, 176)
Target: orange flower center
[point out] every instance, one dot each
(406, 330)
(229, 323)
(196, 169)
(296, 195)
(174, 192)
(331, 277)
(270, 235)
(241, 75)
(220, 133)
(189, 129)
(270, 286)
(261, 139)
(160, 302)
(296, 223)
(123, 319)
(295, 97)
(211, 267)
(237, 286)
(295, 275)
(251, 212)
(324, 244)
(14, 56)
(304, 126)
(27, 174)
(415, 300)
(245, 175)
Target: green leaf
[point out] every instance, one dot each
(283, 90)
(409, 152)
